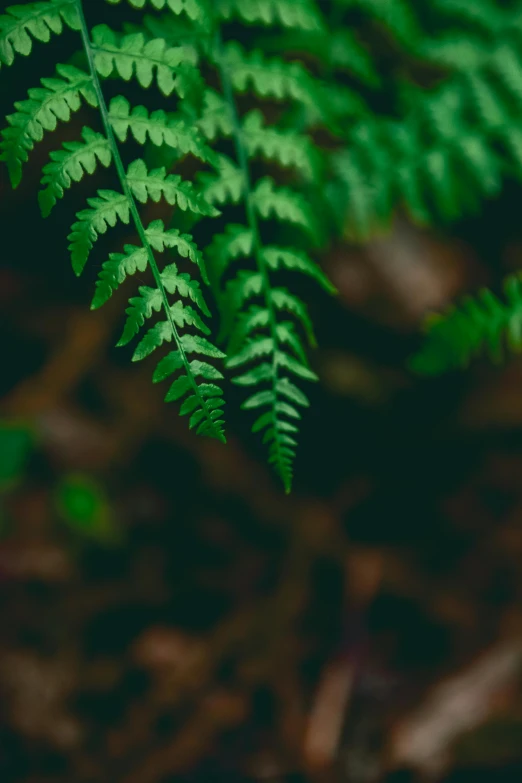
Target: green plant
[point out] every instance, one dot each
(177, 52)
(357, 108)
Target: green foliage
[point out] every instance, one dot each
(300, 14)
(70, 164)
(53, 101)
(484, 324)
(21, 23)
(133, 56)
(83, 506)
(157, 127)
(173, 70)
(300, 120)
(452, 129)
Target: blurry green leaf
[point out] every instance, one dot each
(83, 505)
(16, 443)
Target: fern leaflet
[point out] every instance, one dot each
(21, 23)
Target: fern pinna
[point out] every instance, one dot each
(264, 324)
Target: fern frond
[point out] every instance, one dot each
(21, 23)
(104, 211)
(147, 60)
(46, 105)
(274, 355)
(300, 14)
(158, 127)
(288, 148)
(69, 165)
(157, 184)
(479, 325)
(204, 402)
(277, 429)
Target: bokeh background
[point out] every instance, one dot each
(168, 615)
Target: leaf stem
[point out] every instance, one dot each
(122, 176)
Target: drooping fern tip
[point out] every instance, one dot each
(264, 326)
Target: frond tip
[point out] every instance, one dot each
(480, 325)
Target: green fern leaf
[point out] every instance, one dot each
(54, 101)
(300, 14)
(142, 308)
(247, 323)
(69, 165)
(273, 78)
(263, 372)
(481, 324)
(286, 205)
(104, 211)
(245, 286)
(182, 283)
(226, 186)
(277, 258)
(236, 242)
(135, 56)
(115, 271)
(295, 367)
(216, 117)
(289, 390)
(39, 20)
(204, 402)
(285, 301)
(157, 126)
(160, 239)
(288, 148)
(259, 346)
(157, 184)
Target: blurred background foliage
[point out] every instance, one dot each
(168, 615)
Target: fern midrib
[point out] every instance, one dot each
(89, 52)
(253, 224)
